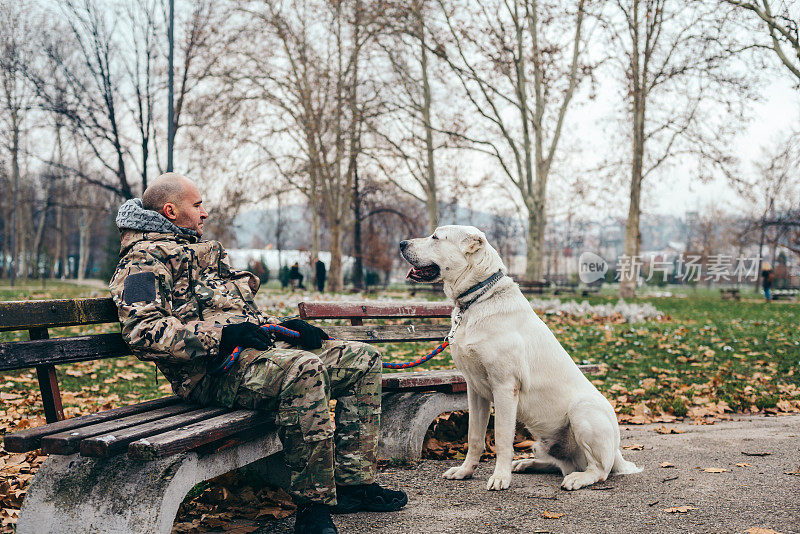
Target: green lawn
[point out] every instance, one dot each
(709, 352)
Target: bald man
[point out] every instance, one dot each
(182, 306)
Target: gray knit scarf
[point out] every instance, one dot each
(133, 216)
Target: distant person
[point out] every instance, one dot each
(295, 274)
(321, 274)
(767, 276)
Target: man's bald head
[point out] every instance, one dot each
(176, 198)
(169, 187)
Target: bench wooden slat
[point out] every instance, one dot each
(422, 379)
(236, 438)
(68, 442)
(197, 434)
(372, 310)
(117, 442)
(24, 354)
(27, 314)
(389, 333)
(443, 379)
(31, 438)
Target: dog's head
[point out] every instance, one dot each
(458, 256)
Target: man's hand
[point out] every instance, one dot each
(244, 335)
(310, 336)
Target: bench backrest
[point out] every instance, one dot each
(356, 312)
(43, 353)
(37, 316)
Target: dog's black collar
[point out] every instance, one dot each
(489, 282)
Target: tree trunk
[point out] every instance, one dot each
(37, 240)
(627, 283)
(58, 266)
(15, 205)
(335, 273)
(83, 243)
(534, 244)
(314, 239)
(358, 267)
(628, 276)
(432, 202)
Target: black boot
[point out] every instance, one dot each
(314, 518)
(368, 498)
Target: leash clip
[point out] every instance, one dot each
(456, 322)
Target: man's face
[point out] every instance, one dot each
(187, 212)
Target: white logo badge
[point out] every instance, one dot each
(591, 267)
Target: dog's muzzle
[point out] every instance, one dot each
(419, 273)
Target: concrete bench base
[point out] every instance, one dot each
(406, 417)
(73, 494)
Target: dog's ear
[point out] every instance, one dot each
(473, 243)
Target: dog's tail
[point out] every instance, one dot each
(624, 467)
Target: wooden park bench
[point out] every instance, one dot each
(435, 288)
(729, 293)
(531, 287)
(787, 293)
(127, 469)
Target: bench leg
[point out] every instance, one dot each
(72, 494)
(405, 419)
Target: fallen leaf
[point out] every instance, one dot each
(666, 464)
(240, 529)
(670, 430)
(274, 512)
(633, 447)
(712, 469)
(795, 473)
(680, 509)
(759, 530)
(527, 444)
(756, 453)
(743, 464)
(551, 515)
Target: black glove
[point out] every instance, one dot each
(244, 335)
(310, 336)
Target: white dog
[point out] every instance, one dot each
(509, 356)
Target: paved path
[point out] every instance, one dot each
(759, 495)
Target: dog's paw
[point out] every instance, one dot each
(520, 466)
(499, 481)
(459, 473)
(578, 480)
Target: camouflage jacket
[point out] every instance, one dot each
(174, 294)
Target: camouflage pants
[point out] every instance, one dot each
(298, 385)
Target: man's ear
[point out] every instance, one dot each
(169, 211)
(473, 244)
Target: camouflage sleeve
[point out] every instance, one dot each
(141, 288)
(248, 285)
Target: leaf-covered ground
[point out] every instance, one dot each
(705, 360)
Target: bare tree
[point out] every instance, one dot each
(143, 27)
(406, 138)
(92, 104)
(519, 64)
(16, 100)
(774, 194)
(779, 22)
(672, 60)
(310, 101)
